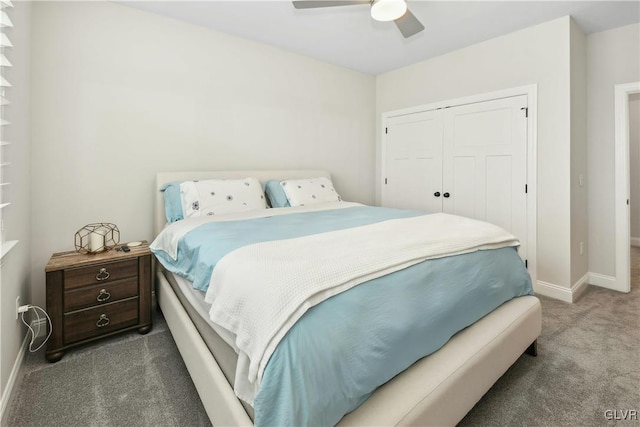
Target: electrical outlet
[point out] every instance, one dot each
(581, 248)
(17, 306)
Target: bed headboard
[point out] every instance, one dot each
(261, 175)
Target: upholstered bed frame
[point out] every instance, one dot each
(437, 390)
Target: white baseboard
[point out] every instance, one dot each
(635, 241)
(13, 377)
(553, 291)
(17, 365)
(603, 281)
(572, 294)
(580, 286)
(561, 293)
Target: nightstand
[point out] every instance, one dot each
(92, 296)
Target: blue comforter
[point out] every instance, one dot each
(341, 350)
(344, 348)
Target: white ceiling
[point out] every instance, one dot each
(347, 35)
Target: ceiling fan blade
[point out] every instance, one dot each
(310, 4)
(408, 24)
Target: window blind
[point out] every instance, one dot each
(5, 85)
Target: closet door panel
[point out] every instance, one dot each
(414, 162)
(484, 163)
(479, 125)
(464, 170)
(408, 183)
(499, 206)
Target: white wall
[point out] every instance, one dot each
(120, 94)
(539, 54)
(634, 167)
(613, 57)
(15, 274)
(579, 220)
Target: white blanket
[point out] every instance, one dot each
(259, 291)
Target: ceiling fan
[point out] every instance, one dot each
(381, 10)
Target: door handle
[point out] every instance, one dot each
(437, 194)
(446, 195)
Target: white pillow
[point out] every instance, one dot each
(302, 192)
(221, 196)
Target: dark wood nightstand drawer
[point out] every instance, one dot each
(92, 322)
(100, 294)
(102, 273)
(90, 297)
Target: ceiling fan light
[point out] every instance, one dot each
(388, 10)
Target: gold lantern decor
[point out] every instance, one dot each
(98, 237)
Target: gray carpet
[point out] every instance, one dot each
(127, 380)
(588, 361)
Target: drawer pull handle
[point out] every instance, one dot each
(103, 295)
(103, 274)
(102, 321)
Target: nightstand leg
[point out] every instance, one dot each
(55, 356)
(144, 329)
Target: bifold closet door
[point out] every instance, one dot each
(413, 162)
(485, 163)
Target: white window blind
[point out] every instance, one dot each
(5, 63)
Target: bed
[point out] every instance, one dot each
(435, 390)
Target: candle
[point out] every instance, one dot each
(96, 240)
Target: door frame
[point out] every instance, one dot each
(622, 185)
(531, 91)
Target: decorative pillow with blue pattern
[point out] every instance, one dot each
(191, 199)
(301, 192)
(221, 196)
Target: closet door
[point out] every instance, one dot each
(413, 162)
(485, 163)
